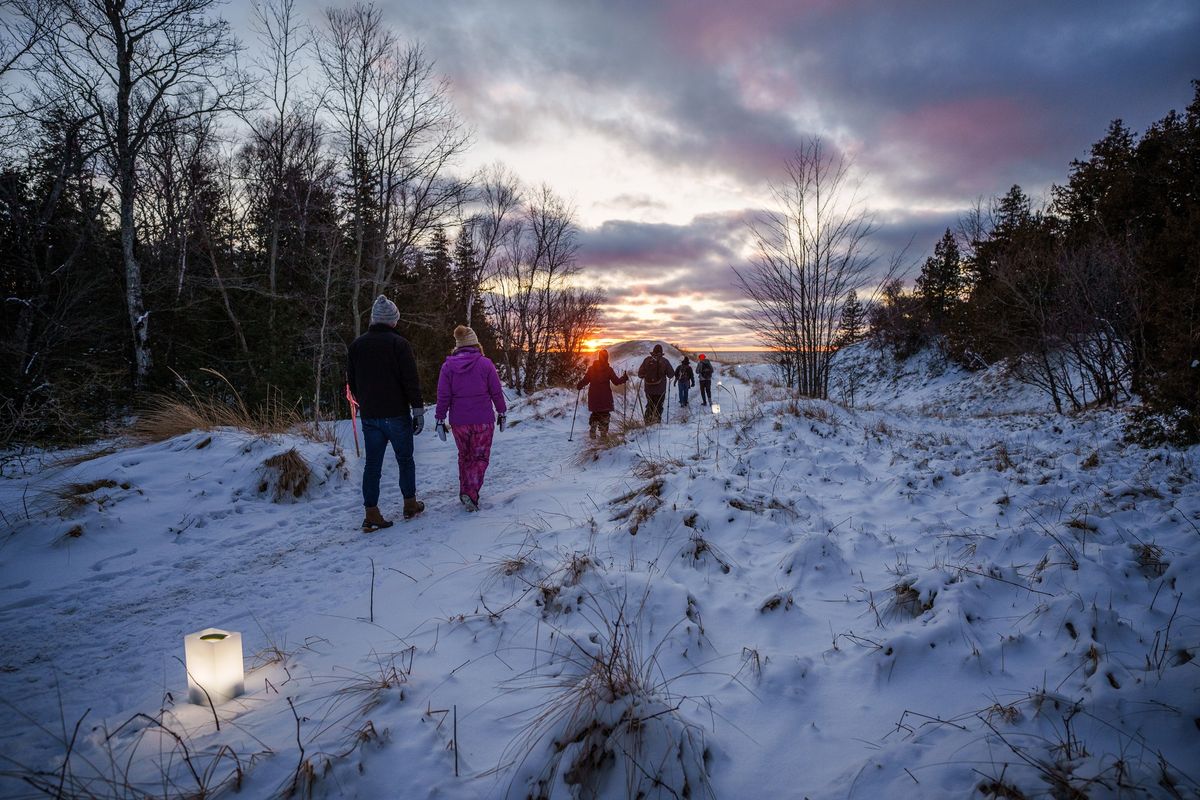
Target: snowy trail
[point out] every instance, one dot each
(833, 584)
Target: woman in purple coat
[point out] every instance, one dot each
(468, 389)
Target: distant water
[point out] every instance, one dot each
(732, 356)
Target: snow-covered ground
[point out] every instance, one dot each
(939, 593)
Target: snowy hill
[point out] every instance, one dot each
(629, 355)
(808, 601)
(928, 383)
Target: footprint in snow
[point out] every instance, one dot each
(99, 565)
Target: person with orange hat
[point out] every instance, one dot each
(704, 371)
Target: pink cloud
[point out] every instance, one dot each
(714, 28)
(967, 143)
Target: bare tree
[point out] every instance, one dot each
(577, 314)
(811, 251)
(23, 25)
(399, 136)
(532, 271)
(491, 227)
(128, 67)
(281, 124)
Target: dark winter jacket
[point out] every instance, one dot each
(656, 373)
(684, 375)
(599, 376)
(705, 370)
(469, 388)
(382, 374)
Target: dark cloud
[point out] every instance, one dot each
(943, 99)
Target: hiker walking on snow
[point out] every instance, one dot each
(704, 370)
(656, 373)
(469, 390)
(601, 378)
(382, 374)
(684, 378)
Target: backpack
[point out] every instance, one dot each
(654, 370)
(706, 370)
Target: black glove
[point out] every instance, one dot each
(418, 421)
(501, 420)
(440, 428)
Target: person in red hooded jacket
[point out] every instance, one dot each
(601, 378)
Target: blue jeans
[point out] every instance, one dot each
(376, 435)
(683, 393)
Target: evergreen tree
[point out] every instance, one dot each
(854, 321)
(1101, 189)
(941, 283)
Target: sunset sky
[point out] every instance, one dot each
(664, 122)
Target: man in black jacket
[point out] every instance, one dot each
(382, 374)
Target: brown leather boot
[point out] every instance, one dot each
(373, 520)
(412, 507)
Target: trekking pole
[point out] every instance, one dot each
(576, 411)
(353, 422)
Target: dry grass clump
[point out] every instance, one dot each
(1150, 559)
(1002, 458)
(75, 459)
(285, 473)
(594, 448)
(881, 429)
(650, 467)
(777, 601)
(904, 601)
(71, 498)
(165, 417)
(77, 495)
(568, 573)
(1092, 461)
(144, 756)
(698, 549)
(652, 489)
(640, 504)
(810, 410)
(758, 505)
(610, 721)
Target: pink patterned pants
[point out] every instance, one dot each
(474, 451)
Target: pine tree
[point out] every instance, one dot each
(466, 278)
(854, 321)
(941, 283)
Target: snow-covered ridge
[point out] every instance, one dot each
(629, 355)
(928, 383)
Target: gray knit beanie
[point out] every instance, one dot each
(384, 311)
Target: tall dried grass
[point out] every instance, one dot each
(166, 416)
(610, 717)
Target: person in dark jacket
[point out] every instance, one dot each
(704, 371)
(382, 374)
(468, 391)
(600, 377)
(656, 373)
(684, 378)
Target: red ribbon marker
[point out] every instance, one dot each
(353, 423)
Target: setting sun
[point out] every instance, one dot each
(592, 345)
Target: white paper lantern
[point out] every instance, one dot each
(716, 408)
(214, 662)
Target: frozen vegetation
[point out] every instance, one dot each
(936, 590)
